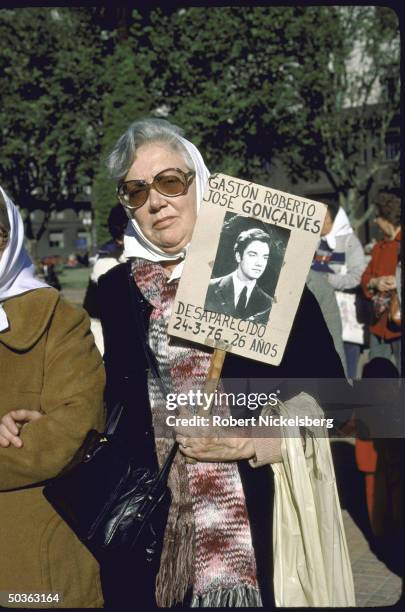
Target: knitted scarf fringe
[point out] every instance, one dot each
(241, 596)
(173, 579)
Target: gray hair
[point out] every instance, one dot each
(142, 132)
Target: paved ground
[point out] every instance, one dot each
(74, 295)
(374, 583)
(376, 578)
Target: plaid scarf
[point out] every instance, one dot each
(207, 544)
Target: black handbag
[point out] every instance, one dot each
(112, 505)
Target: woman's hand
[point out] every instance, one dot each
(216, 448)
(12, 423)
(383, 283)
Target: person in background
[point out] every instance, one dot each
(51, 395)
(340, 257)
(50, 276)
(379, 459)
(379, 281)
(109, 255)
(325, 296)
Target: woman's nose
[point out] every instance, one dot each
(156, 200)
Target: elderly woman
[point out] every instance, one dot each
(51, 394)
(217, 548)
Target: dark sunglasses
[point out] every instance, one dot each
(171, 182)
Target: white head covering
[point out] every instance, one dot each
(341, 226)
(135, 242)
(16, 268)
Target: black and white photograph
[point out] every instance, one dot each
(246, 269)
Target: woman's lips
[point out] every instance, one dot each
(163, 223)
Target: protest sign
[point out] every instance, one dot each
(246, 268)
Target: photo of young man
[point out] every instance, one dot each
(238, 293)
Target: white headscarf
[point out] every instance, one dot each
(135, 242)
(341, 227)
(16, 268)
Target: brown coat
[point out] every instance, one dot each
(48, 362)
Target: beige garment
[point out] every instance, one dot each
(311, 559)
(48, 362)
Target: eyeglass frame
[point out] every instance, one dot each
(148, 186)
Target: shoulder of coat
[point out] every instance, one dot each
(28, 315)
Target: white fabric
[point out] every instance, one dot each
(311, 560)
(238, 287)
(341, 227)
(352, 330)
(135, 242)
(103, 265)
(17, 272)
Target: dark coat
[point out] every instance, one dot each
(221, 298)
(308, 354)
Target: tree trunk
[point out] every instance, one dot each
(349, 200)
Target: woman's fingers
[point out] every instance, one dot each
(8, 422)
(7, 438)
(25, 415)
(11, 424)
(4, 442)
(385, 283)
(216, 449)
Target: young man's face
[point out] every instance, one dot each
(254, 260)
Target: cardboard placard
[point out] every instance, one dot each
(246, 235)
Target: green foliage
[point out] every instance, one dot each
(51, 62)
(219, 82)
(345, 94)
(126, 74)
(314, 87)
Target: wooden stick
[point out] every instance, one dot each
(212, 380)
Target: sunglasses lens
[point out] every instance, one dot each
(134, 194)
(170, 183)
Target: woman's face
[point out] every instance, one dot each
(385, 226)
(168, 222)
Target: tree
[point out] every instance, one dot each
(344, 99)
(50, 97)
(217, 80)
(316, 87)
(126, 77)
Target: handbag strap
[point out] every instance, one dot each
(113, 419)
